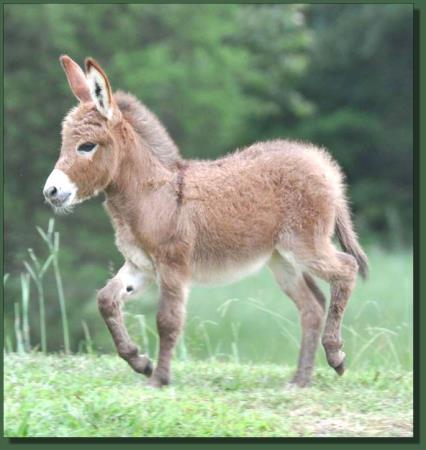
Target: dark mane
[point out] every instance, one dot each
(149, 128)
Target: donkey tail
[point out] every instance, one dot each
(348, 239)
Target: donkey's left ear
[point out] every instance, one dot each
(100, 89)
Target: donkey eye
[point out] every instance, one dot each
(86, 147)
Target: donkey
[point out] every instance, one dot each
(177, 222)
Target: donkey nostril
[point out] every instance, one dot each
(51, 192)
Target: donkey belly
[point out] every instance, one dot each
(225, 272)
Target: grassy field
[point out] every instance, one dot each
(231, 369)
(100, 396)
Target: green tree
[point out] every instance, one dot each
(360, 79)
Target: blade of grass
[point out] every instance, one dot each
(31, 271)
(42, 234)
(34, 259)
(39, 285)
(366, 346)
(234, 345)
(51, 226)
(25, 295)
(145, 340)
(46, 265)
(87, 338)
(18, 332)
(181, 347)
(61, 295)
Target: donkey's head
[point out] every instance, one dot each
(90, 152)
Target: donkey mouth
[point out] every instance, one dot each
(60, 201)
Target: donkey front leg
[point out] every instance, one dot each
(170, 321)
(128, 281)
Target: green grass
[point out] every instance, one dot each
(88, 396)
(231, 370)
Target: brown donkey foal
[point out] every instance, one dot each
(179, 222)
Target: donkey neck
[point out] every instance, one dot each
(138, 172)
(141, 198)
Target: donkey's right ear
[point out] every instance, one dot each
(76, 79)
(101, 91)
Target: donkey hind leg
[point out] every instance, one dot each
(127, 282)
(320, 297)
(340, 270)
(308, 299)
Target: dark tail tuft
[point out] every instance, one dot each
(349, 240)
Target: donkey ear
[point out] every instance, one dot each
(76, 79)
(100, 88)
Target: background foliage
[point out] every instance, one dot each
(219, 77)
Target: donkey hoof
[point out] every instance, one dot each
(297, 384)
(141, 364)
(340, 369)
(147, 371)
(299, 381)
(336, 360)
(156, 382)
